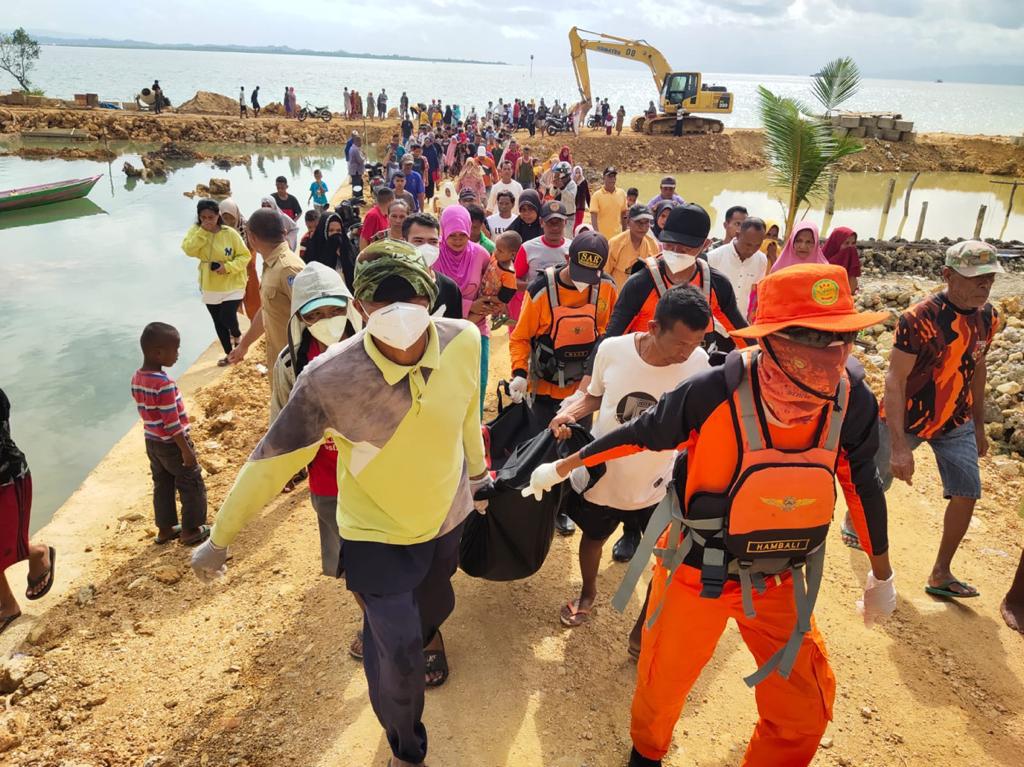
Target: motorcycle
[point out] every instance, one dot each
(375, 176)
(308, 111)
(555, 125)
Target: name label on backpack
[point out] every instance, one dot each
(767, 547)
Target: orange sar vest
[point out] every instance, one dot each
(560, 355)
(773, 518)
(662, 286)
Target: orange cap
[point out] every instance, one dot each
(811, 296)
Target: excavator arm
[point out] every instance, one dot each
(634, 50)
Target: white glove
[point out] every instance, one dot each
(209, 561)
(517, 389)
(544, 478)
(484, 483)
(879, 599)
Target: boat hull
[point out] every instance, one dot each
(30, 197)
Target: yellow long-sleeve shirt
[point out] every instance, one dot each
(224, 247)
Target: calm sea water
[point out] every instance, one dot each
(117, 75)
(79, 280)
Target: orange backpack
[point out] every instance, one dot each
(560, 355)
(773, 518)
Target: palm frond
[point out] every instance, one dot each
(835, 83)
(799, 150)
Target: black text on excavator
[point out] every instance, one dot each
(677, 90)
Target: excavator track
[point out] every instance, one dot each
(665, 125)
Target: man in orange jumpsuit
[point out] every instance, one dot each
(765, 436)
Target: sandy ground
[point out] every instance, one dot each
(143, 665)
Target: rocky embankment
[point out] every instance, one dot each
(215, 119)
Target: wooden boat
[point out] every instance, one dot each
(43, 194)
(72, 134)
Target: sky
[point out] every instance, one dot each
(886, 37)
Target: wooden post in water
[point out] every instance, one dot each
(906, 197)
(920, 221)
(888, 196)
(979, 222)
(830, 206)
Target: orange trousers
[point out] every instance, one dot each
(793, 712)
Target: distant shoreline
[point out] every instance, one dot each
(271, 49)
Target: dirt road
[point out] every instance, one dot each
(134, 662)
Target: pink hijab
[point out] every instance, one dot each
(466, 267)
(789, 256)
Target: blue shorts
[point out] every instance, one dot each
(956, 453)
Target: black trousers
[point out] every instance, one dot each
(170, 474)
(225, 322)
(408, 595)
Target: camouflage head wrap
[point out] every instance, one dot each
(392, 258)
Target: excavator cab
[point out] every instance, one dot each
(680, 87)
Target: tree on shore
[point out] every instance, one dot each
(835, 83)
(800, 149)
(18, 54)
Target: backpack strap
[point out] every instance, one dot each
(805, 593)
(660, 286)
(552, 289)
(750, 424)
(705, 288)
(660, 519)
(837, 415)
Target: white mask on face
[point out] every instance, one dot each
(329, 331)
(399, 325)
(678, 262)
(429, 252)
(582, 287)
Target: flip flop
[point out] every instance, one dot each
(47, 578)
(435, 662)
(850, 538)
(202, 535)
(572, 615)
(945, 591)
(5, 622)
(175, 535)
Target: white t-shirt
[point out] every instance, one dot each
(743, 275)
(628, 386)
(500, 186)
(497, 224)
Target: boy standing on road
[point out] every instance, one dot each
(172, 456)
(318, 191)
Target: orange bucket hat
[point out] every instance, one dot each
(813, 296)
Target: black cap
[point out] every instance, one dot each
(687, 225)
(638, 211)
(610, 171)
(553, 209)
(668, 181)
(588, 254)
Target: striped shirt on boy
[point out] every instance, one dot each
(159, 404)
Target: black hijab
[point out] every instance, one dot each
(334, 251)
(528, 231)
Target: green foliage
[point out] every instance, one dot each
(18, 54)
(835, 83)
(799, 149)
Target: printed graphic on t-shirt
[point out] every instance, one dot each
(633, 404)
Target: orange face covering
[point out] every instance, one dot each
(797, 381)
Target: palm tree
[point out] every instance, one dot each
(800, 149)
(836, 82)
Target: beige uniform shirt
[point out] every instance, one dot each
(279, 270)
(622, 255)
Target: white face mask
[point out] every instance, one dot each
(429, 252)
(582, 287)
(399, 325)
(678, 262)
(329, 331)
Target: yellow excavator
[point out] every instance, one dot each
(677, 90)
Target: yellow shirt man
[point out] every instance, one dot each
(608, 206)
(622, 250)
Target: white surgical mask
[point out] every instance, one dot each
(582, 287)
(329, 331)
(399, 325)
(678, 262)
(429, 251)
